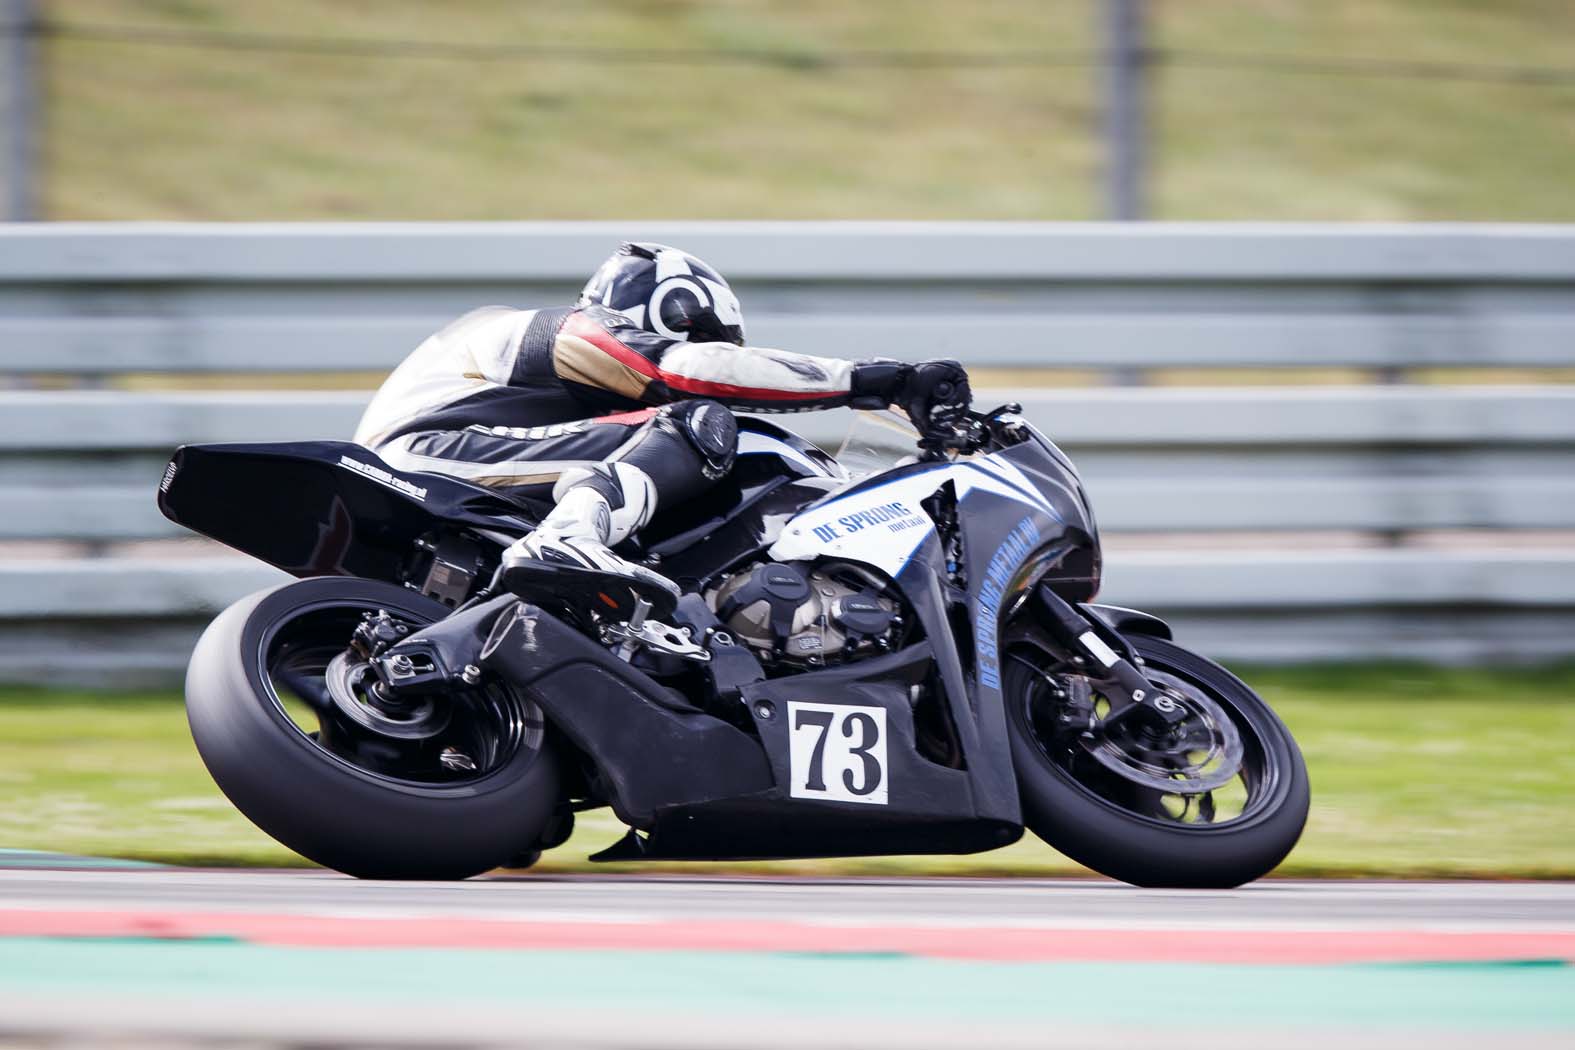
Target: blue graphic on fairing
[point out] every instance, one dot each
(895, 516)
(1018, 545)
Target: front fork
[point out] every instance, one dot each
(1130, 693)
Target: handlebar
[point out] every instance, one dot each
(966, 434)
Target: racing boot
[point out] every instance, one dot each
(568, 555)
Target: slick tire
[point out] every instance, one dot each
(320, 805)
(1145, 851)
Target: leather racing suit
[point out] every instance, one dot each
(518, 399)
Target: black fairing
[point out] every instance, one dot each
(654, 749)
(702, 789)
(299, 506)
(1007, 544)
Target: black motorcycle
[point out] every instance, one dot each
(902, 662)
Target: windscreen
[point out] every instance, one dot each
(877, 441)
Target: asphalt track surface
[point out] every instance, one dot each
(982, 902)
(186, 959)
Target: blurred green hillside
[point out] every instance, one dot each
(139, 129)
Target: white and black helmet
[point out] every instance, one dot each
(669, 292)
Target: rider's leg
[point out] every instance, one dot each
(522, 463)
(626, 463)
(675, 455)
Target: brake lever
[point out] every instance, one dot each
(966, 433)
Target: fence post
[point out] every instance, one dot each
(1126, 60)
(19, 73)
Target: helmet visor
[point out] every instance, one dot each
(708, 328)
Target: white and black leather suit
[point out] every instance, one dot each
(512, 399)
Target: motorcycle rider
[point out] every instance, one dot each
(613, 407)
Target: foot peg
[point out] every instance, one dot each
(642, 632)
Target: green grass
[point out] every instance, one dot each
(1415, 772)
(139, 131)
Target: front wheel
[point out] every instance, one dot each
(1133, 806)
(279, 710)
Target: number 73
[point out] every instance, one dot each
(837, 751)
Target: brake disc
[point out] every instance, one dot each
(346, 680)
(1200, 753)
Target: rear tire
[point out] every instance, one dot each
(359, 821)
(1144, 849)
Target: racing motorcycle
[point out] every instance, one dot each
(900, 660)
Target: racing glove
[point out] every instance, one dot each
(930, 392)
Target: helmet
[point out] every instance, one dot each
(667, 291)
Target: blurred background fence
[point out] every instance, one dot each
(1304, 442)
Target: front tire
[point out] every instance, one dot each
(347, 798)
(1136, 833)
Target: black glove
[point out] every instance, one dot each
(937, 394)
(931, 390)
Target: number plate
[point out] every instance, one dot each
(837, 752)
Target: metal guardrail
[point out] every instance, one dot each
(77, 464)
(94, 299)
(83, 307)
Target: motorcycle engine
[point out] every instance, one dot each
(792, 615)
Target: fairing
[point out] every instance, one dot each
(1023, 519)
(324, 508)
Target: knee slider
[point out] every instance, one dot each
(713, 432)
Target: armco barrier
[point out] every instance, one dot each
(1344, 488)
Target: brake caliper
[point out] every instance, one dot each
(375, 633)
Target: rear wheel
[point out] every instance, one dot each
(280, 712)
(1215, 801)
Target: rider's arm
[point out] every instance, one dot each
(600, 349)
